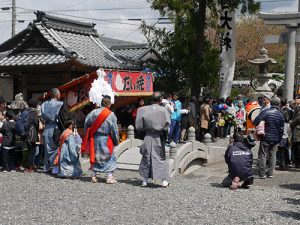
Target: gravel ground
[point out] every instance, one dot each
(193, 199)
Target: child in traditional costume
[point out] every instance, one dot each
(67, 159)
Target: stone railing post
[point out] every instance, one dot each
(173, 150)
(191, 134)
(130, 132)
(207, 138)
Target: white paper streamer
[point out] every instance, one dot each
(99, 88)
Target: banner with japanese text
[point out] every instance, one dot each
(228, 49)
(124, 83)
(130, 83)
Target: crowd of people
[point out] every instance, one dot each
(277, 127)
(44, 136)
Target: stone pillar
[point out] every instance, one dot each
(191, 134)
(130, 132)
(207, 138)
(290, 63)
(173, 150)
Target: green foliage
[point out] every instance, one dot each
(280, 66)
(244, 70)
(188, 60)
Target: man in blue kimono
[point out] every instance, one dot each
(103, 159)
(50, 111)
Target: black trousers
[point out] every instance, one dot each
(31, 154)
(8, 159)
(203, 131)
(283, 156)
(296, 151)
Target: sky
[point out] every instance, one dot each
(117, 14)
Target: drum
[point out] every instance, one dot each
(252, 110)
(253, 114)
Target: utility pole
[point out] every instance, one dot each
(13, 18)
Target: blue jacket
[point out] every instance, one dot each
(239, 159)
(274, 123)
(176, 115)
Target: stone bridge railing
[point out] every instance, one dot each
(182, 158)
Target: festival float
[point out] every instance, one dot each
(126, 87)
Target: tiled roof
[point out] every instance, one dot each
(68, 25)
(68, 40)
(4, 54)
(32, 60)
(133, 52)
(98, 52)
(109, 42)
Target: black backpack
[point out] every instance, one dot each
(23, 123)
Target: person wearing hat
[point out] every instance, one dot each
(295, 127)
(266, 102)
(239, 159)
(273, 132)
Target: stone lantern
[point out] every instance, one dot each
(263, 76)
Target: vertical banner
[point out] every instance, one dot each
(228, 48)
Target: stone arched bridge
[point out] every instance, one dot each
(182, 158)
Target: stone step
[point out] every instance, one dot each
(122, 166)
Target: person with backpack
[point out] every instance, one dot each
(53, 115)
(31, 133)
(8, 130)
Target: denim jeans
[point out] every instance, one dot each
(174, 131)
